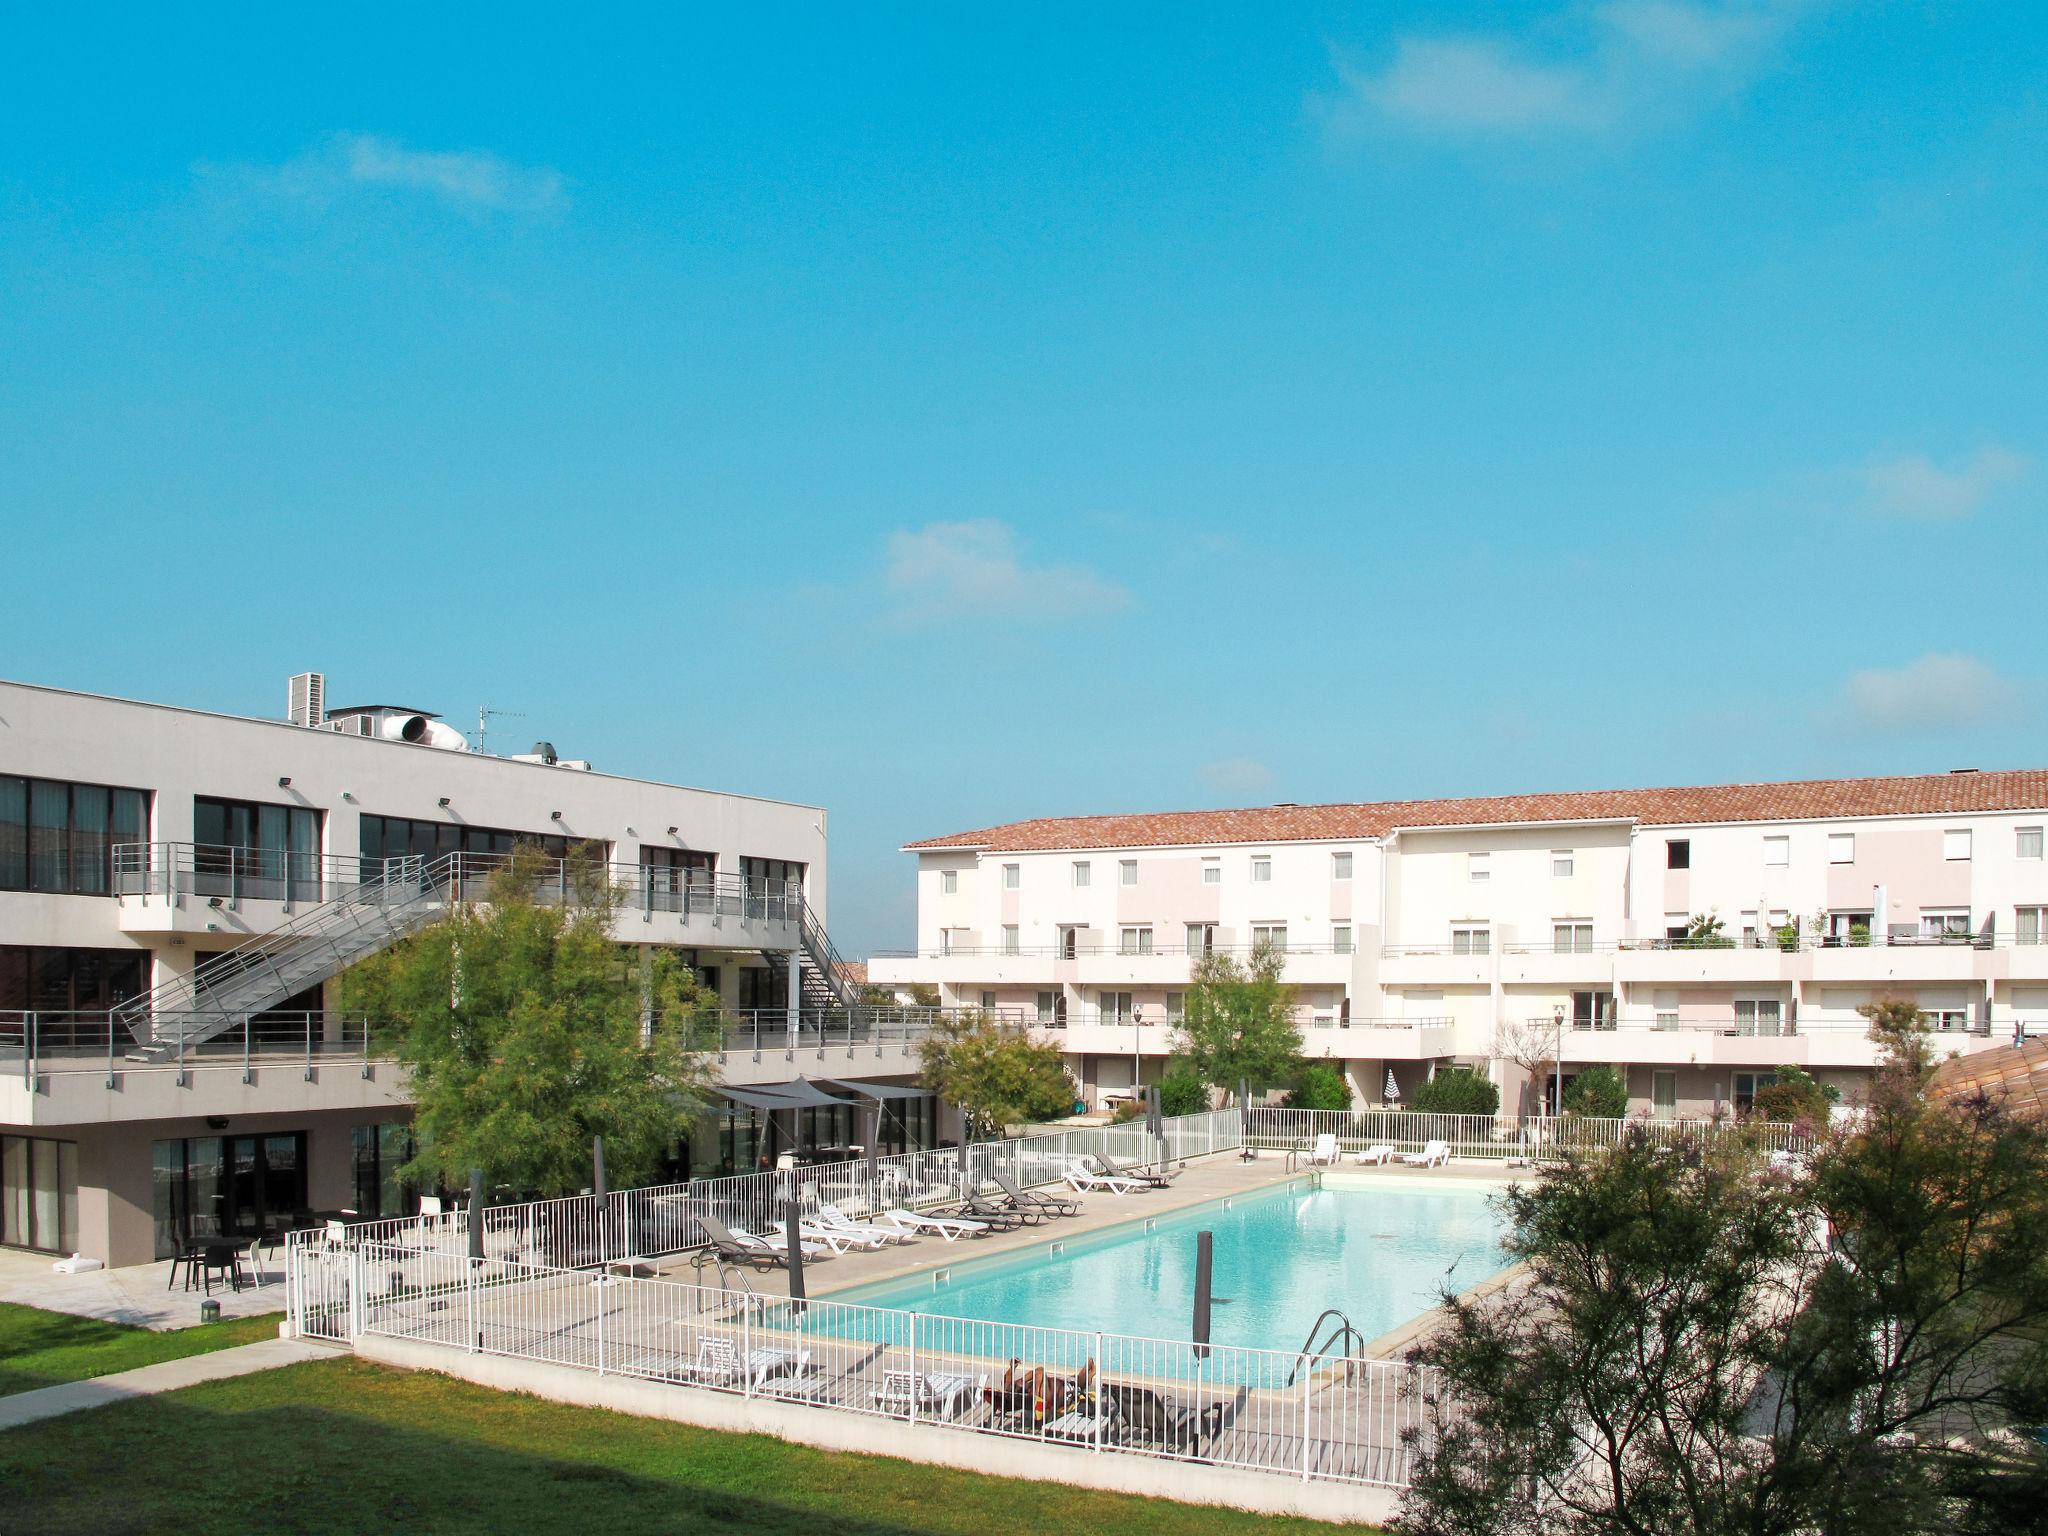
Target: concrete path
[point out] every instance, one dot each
(137, 1294)
(147, 1380)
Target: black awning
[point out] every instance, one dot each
(801, 1094)
(876, 1090)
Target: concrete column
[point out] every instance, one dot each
(796, 990)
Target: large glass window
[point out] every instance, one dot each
(39, 1194)
(398, 837)
(234, 1186)
(60, 837)
(53, 979)
(247, 849)
(670, 874)
(380, 1151)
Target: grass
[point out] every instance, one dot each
(343, 1446)
(40, 1349)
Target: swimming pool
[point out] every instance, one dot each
(1379, 1252)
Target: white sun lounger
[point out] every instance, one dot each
(948, 1227)
(1084, 1181)
(1379, 1152)
(1432, 1152)
(1325, 1150)
(839, 1239)
(835, 1219)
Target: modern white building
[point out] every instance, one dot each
(148, 1096)
(1694, 938)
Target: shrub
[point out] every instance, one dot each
(1797, 1097)
(1128, 1109)
(1457, 1092)
(1598, 1093)
(1181, 1091)
(1320, 1087)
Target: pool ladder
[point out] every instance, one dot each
(1342, 1337)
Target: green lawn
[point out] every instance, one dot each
(345, 1446)
(40, 1349)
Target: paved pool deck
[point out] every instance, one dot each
(139, 1295)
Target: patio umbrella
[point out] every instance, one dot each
(796, 1255)
(1205, 1254)
(1393, 1089)
(597, 1191)
(476, 1213)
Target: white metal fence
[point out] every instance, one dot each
(1496, 1138)
(1256, 1409)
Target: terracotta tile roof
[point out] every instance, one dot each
(1812, 799)
(855, 971)
(2016, 1073)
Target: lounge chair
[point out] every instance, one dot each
(943, 1393)
(1158, 1178)
(746, 1248)
(1379, 1153)
(1086, 1182)
(1149, 1417)
(1057, 1205)
(839, 1239)
(1324, 1151)
(718, 1364)
(835, 1219)
(951, 1228)
(1432, 1153)
(1001, 1215)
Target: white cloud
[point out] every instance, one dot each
(947, 570)
(1576, 71)
(1939, 691)
(1235, 776)
(1916, 487)
(345, 164)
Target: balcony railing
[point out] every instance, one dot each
(1738, 1025)
(230, 875)
(1802, 943)
(1115, 950)
(71, 1041)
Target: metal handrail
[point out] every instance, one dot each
(1346, 1334)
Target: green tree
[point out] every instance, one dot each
(1598, 1093)
(1319, 1087)
(1457, 1091)
(1689, 1353)
(1181, 1090)
(1795, 1098)
(996, 1073)
(1900, 1030)
(527, 1030)
(1238, 1024)
(1703, 931)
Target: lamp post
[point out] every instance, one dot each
(1137, 1049)
(1557, 1063)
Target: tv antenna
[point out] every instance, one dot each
(485, 714)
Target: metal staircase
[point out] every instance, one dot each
(223, 993)
(822, 961)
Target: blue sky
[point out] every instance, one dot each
(957, 416)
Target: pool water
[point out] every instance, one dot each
(1380, 1253)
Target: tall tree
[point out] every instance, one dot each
(528, 1030)
(1238, 1022)
(1689, 1352)
(997, 1074)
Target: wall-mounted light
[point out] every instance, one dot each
(348, 794)
(554, 815)
(671, 831)
(631, 833)
(213, 901)
(444, 802)
(285, 782)
(216, 1122)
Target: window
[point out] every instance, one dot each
(1467, 940)
(1176, 1007)
(1746, 1086)
(1115, 1007)
(988, 1002)
(61, 837)
(1212, 871)
(36, 978)
(1841, 847)
(1340, 938)
(1947, 1021)
(2030, 925)
(1126, 871)
(1759, 1016)
(1340, 865)
(1777, 851)
(1848, 929)
(1945, 924)
(952, 941)
(1262, 868)
(1955, 843)
(379, 1151)
(2029, 843)
(1478, 866)
(1676, 925)
(1012, 944)
(383, 838)
(1012, 876)
(1571, 938)
(1664, 1095)
(1201, 938)
(1561, 863)
(1592, 1010)
(1134, 939)
(1678, 853)
(949, 882)
(1269, 936)
(39, 1193)
(677, 879)
(1081, 874)
(1665, 1010)
(1069, 941)
(1052, 1009)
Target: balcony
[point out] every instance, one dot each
(1093, 963)
(1436, 965)
(1420, 1039)
(201, 888)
